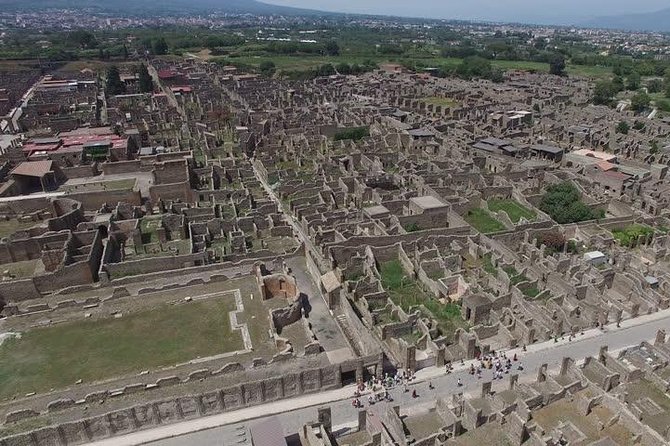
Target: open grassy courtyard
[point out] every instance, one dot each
(98, 186)
(444, 102)
(406, 293)
(482, 221)
(92, 350)
(513, 208)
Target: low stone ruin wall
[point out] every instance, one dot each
(146, 416)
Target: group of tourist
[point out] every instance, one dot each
(499, 363)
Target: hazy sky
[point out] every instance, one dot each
(536, 11)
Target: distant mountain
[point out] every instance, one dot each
(161, 7)
(650, 21)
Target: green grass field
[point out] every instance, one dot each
(305, 62)
(513, 208)
(92, 350)
(482, 221)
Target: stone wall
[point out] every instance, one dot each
(68, 212)
(93, 201)
(85, 171)
(148, 415)
(154, 264)
(170, 172)
(171, 192)
(121, 167)
(29, 248)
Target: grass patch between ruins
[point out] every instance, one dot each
(9, 227)
(482, 221)
(407, 294)
(92, 350)
(515, 210)
(443, 102)
(98, 186)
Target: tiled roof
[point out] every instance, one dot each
(33, 168)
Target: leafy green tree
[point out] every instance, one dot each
(655, 86)
(603, 93)
(160, 46)
(343, 68)
(622, 127)
(557, 65)
(654, 149)
(497, 75)
(617, 84)
(83, 39)
(390, 49)
(638, 125)
(564, 204)
(332, 48)
(114, 85)
(145, 82)
(633, 81)
(325, 70)
(640, 101)
(354, 133)
(474, 66)
(268, 68)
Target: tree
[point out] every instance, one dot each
(145, 81)
(497, 75)
(622, 127)
(563, 203)
(654, 149)
(474, 66)
(325, 70)
(125, 52)
(640, 101)
(603, 93)
(343, 68)
(638, 125)
(554, 241)
(84, 39)
(354, 133)
(160, 46)
(332, 48)
(617, 84)
(268, 68)
(655, 86)
(114, 85)
(557, 65)
(633, 81)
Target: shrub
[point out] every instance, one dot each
(554, 241)
(355, 133)
(629, 235)
(563, 203)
